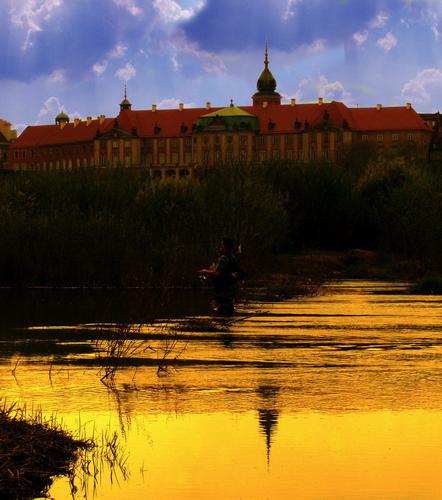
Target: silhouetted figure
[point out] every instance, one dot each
(224, 275)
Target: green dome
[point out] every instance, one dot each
(266, 82)
(229, 111)
(62, 117)
(231, 118)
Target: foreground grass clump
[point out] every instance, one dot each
(32, 452)
(431, 285)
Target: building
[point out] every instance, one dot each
(176, 142)
(7, 135)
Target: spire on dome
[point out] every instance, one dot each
(125, 103)
(266, 84)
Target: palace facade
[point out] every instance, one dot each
(175, 142)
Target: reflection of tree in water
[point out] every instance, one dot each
(268, 415)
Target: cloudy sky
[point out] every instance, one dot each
(76, 55)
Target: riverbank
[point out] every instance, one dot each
(32, 452)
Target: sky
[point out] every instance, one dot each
(77, 55)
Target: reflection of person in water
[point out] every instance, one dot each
(224, 275)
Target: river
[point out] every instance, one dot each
(333, 396)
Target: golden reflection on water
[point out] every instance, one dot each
(336, 396)
(313, 455)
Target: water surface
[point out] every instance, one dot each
(335, 396)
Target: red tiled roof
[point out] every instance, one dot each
(41, 135)
(388, 118)
(168, 122)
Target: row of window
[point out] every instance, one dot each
(55, 151)
(394, 137)
(57, 165)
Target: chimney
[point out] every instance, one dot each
(181, 106)
(77, 122)
(154, 108)
(62, 125)
(408, 105)
(101, 119)
(320, 101)
(378, 107)
(208, 105)
(88, 120)
(292, 102)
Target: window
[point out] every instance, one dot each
(262, 156)
(365, 137)
(188, 141)
(184, 173)
(289, 140)
(289, 154)
(243, 155)
(276, 140)
(162, 158)
(16, 155)
(115, 144)
(325, 154)
(218, 156)
(127, 161)
(217, 139)
(127, 144)
(229, 139)
(379, 137)
(161, 143)
(205, 155)
(262, 140)
(206, 139)
(229, 155)
(175, 143)
(23, 154)
(171, 173)
(188, 157)
(394, 137)
(175, 158)
(410, 137)
(243, 140)
(275, 154)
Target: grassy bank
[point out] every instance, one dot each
(120, 228)
(32, 452)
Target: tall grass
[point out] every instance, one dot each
(118, 227)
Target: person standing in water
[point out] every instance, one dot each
(224, 275)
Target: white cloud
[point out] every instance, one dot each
(388, 42)
(379, 21)
(30, 15)
(130, 5)
(99, 68)
(118, 51)
(290, 9)
(360, 37)
(173, 103)
(126, 73)
(212, 63)
(418, 88)
(171, 11)
(316, 46)
(312, 88)
(57, 76)
(51, 108)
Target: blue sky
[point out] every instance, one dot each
(76, 55)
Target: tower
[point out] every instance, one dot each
(125, 103)
(266, 86)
